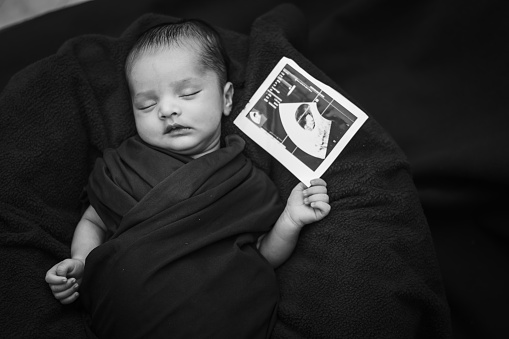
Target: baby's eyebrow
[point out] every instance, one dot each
(179, 84)
(143, 94)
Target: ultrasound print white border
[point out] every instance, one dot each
(266, 98)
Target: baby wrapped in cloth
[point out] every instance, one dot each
(181, 259)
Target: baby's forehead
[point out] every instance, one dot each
(191, 53)
(169, 63)
(187, 49)
(192, 50)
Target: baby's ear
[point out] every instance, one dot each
(227, 98)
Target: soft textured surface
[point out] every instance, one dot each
(367, 270)
(435, 75)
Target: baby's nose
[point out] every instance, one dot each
(167, 110)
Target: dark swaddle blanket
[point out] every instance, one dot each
(182, 259)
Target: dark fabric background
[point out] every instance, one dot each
(433, 73)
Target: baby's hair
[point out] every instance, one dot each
(184, 32)
(300, 114)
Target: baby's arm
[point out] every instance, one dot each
(304, 206)
(65, 277)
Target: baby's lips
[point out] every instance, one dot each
(170, 128)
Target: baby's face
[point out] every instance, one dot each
(177, 103)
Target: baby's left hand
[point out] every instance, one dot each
(307, 205)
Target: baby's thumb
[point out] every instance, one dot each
(64, 268)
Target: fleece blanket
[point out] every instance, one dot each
(183, 245)
(367, 270)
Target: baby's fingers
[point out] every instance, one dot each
(56, 288)
(318, 182)
(70, 298)
(315, 189)
(322, 208)
(315, 198)
(53, 278)
(66, 293)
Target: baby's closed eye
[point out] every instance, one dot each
(189, 94)
(144, 107)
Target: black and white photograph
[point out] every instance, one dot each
(265, 169)
(302, 122)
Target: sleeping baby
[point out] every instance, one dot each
(183, 233)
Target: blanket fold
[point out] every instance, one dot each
(368, 270)
(184, 252)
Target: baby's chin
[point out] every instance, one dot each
(184, 142)
(191, 150)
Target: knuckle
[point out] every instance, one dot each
(61, 295)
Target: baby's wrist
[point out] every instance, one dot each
(290, 222)
(80, 259)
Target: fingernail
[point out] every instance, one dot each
(76, 286)
(72, 281)
(305, 193)
(306, 201)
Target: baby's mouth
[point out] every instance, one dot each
(175, 128)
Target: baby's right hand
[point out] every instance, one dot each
(64, 279)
